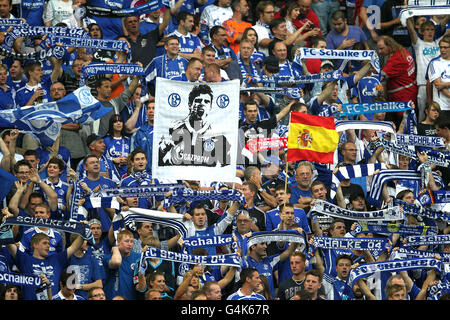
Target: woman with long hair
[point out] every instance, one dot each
(426, 127)
(257, 56)
(290, 13)
(264, 288)
(117, 144)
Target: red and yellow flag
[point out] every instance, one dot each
(311, 138)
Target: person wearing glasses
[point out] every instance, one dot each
(265, 12)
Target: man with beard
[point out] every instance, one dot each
(191, 141)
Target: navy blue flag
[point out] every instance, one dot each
(44, 121)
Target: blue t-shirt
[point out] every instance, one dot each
(143, 138)
(296, 193)
(52, 266)
(32, 11)
(87, 269)
(6, 98)
(265, 267)
(115, 148)
(102, 214)
(120, 281)
(273, 219)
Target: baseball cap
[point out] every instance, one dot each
(327, 62)
(93, 137)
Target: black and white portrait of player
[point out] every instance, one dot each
(191, 141)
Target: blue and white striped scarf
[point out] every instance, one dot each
(232, 259)
(380, 179)
(351, 243)
(138, 191)
(129, 218)
(327, 208)
(343, 125)
(127, 12)
(79, 228)
(47, 50)
(366, 270)
(350, 172)
(423, 141)
(414, 241)
(183, 195)
(387, 228)
(278, 236)
(287, 80)
(94, 69)
(412, 209)
(439, 158)
(407, 253)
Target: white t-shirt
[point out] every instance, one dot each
(263, 33)
(425, 52)
(440, 68)
(215, 16)
(57, 10)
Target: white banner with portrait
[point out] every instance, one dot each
(195, 132)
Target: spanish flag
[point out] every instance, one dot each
(311, 138)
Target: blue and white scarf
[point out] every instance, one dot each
(138, 191)
(214, 241)
(351, 243)
(88, 42)
(364, 108)
(414, 241)
(232, 259)
(412, 209)
(288, 80)
(46, 50)
(327, 208)
(439, 158)
(330, 54)
(129, 218)
(79, 228)
(20, 279)
(128, 12)
(94, 69)
(183, 195)
(380, 179)
(355, 171)
(415, 140)
(387, 228)
(5, 24)
(368, 269)
(343, 125)
(277, 236)
(407, 253)
(438, 196)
